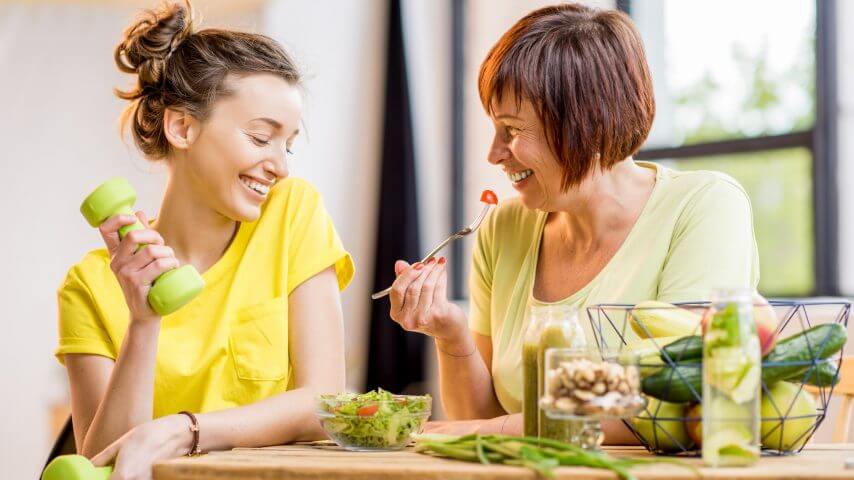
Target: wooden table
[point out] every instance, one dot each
(819, 461)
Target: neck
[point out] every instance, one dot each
(607, 202)
(198, 234)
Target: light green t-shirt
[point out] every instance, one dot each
(695, 233)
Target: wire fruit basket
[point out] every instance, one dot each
(803, 343)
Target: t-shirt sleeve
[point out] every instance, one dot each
(713, 245)
(313, 243)
(81, 330)
(480, 279)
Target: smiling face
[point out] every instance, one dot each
(521, 150)
(241, 149)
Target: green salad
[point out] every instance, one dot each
(373, 421)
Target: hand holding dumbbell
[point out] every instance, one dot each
(172, 289)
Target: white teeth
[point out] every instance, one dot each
(519, 176)
(261, 189)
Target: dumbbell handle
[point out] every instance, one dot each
(129, 228)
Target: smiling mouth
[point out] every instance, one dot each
(255, 186)
(519, 176)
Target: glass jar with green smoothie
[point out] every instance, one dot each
(549, 326)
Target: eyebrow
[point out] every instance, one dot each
(270, 121)
(505, 115)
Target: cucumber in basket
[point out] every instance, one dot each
(686, 348)
(790, 358)
(823, 375)
(794, 355)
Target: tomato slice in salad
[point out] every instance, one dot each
(488, 196)
(368, 410)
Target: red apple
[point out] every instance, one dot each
(694, 424)
(763, 315)
(766, 323)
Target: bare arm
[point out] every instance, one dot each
(419, 302)
(107, 398)
(469, 363)
(110, 398)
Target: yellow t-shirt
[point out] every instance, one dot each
(695, 233)
(228, 346)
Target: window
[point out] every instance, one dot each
(737, 90)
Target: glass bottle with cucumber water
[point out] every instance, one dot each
(731, 381)
(548, 326)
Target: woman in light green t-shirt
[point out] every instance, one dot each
(570, 96)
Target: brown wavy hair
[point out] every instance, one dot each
(178, 67)
(585, 72)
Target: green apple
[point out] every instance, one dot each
(663, 435)
(797, 407)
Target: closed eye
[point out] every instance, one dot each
(258, 141)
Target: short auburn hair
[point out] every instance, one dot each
(585, 72)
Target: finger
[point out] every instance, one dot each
(110, 230)
(143, 218)
(425, 301)
(156, 268)
(400, 286)
(107, 455)
(130, 244)
(413, 295)
(150, 253)
(400, 266)
(440, 293)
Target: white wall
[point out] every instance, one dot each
(343, 56)
(845, 84)
(59, 135)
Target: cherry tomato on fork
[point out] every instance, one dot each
(488, 196)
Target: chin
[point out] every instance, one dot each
(531, 203)
(245, 213)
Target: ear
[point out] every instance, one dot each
(180, 128)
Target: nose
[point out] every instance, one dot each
(276, 167)
(498, 151)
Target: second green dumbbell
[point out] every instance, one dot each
(74, 467)
(171, 290)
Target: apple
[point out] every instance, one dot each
(694, 424)
(797, 407)
(662, 435)
(766, 323)
(764, 317)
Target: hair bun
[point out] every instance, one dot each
(149, 41)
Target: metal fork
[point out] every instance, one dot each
(455, 236)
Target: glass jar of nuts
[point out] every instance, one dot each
(590, 385)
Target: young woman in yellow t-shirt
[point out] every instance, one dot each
(247, 356)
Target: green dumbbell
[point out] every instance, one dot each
(171, 290)
(74, 467)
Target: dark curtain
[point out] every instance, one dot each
(395, 357)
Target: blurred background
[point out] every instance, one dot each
(396, 142)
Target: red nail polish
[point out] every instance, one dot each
(433, 259)
(442, 261)
(418, 266)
